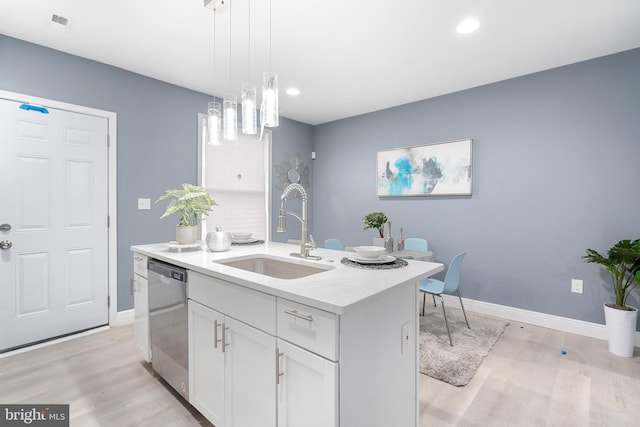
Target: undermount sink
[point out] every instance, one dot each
(280, 268)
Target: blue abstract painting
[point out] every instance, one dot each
(426, 170)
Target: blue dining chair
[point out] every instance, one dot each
(438, 287)
(416, 244)
(333, 244)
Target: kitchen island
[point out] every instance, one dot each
(334, 347)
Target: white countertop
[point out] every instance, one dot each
(335, 290)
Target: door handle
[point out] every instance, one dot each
(5, 244)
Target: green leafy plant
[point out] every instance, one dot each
(623, 262)
(191, 202)
(375, 220)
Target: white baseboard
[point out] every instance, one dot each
(124, 317)
(565, 324)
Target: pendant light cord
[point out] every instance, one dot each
(269, 35)
(230, 10)
(214, 55)
(249, 56)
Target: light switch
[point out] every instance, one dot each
(144, 204)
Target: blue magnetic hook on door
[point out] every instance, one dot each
(29, 107)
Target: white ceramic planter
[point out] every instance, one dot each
(378, 241)
(187, 234)
(621, 330)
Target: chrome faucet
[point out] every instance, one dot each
(306, 241)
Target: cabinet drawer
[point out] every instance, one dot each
(310, 328)
(140, 265)
(243, 304)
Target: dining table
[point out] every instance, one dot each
(417, 255)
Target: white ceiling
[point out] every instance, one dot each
(347, 57)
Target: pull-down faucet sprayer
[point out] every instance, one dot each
(306, 241)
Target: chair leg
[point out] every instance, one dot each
(462, 305)
(424, 297)
(445, 320)
(434, 300)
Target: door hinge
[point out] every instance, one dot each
(108, 141)
(108, 221)
(108, 301)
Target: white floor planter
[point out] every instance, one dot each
(621, 329)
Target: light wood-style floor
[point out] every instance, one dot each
(525, 381)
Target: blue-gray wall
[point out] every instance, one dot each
(555, 171)
(157, 133)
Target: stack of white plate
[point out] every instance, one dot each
(242, 237)
(370, 255)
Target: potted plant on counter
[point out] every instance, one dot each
(376, 220)
(623, 262)
(192, 203)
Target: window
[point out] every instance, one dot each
(237, 175)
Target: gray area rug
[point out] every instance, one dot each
(458, 364)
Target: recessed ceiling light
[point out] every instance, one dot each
(293, 91)
(467, 26)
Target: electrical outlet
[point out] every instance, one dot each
(576, 286)
(405, 337)
(144, 204)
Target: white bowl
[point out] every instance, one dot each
(370, 251)
(241, 235)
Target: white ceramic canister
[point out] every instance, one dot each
(219, 241)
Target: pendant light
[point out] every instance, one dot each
(230, 103)
(214, 119)
(214, 109)
(248, 95)
(230, 117)
(269, 110)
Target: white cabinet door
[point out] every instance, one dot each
(250, 376)
(141, 315)
(206, 362)
(235, 387)
(307, 389)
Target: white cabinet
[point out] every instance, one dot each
(308, 367)
(206, 362)
(140, 290)
(231, 370)
(307, 388)
(235, 369)
(293, 365)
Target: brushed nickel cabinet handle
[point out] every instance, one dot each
(225, 344)
(295, 313)
(215, 333)
(278, 373)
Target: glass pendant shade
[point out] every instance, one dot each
(214, 121)
(249, 114)
(270, 100)
(230, 117)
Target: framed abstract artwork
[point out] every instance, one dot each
(442, 169)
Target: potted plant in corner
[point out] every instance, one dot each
(192, 203)
(376, 220)
(623, 262)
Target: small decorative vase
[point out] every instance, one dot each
(621, 329)
(186, 234)
(388, 244)
(219, 241)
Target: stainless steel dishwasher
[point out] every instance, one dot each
(168, 324)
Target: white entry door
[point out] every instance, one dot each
(53, 223)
